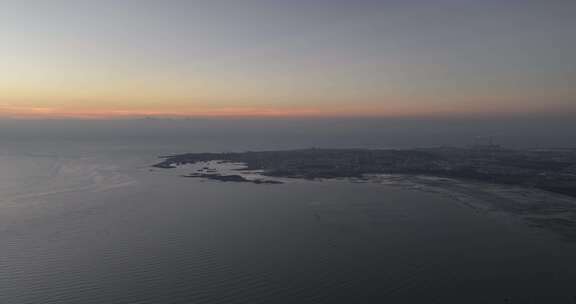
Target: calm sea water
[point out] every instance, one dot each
(89, 222)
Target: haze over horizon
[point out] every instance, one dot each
(287, 151)
(314, 58)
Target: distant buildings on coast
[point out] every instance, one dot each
(549, 169)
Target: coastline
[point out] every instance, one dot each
(547, 170)
(536, 207)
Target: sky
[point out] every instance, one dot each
(280, 58)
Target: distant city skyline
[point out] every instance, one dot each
(278, 58)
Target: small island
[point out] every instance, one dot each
(230, 178)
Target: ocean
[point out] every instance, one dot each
(85, 219)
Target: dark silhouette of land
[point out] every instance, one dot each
(548, 169)
(231, 178)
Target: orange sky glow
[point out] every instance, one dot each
(123, 59)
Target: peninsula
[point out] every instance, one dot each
(547, 169)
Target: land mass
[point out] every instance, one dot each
(231, 178)
(547, 169)
(508, 181)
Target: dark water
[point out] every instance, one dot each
(88, 222)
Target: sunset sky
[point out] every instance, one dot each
(390, 58)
